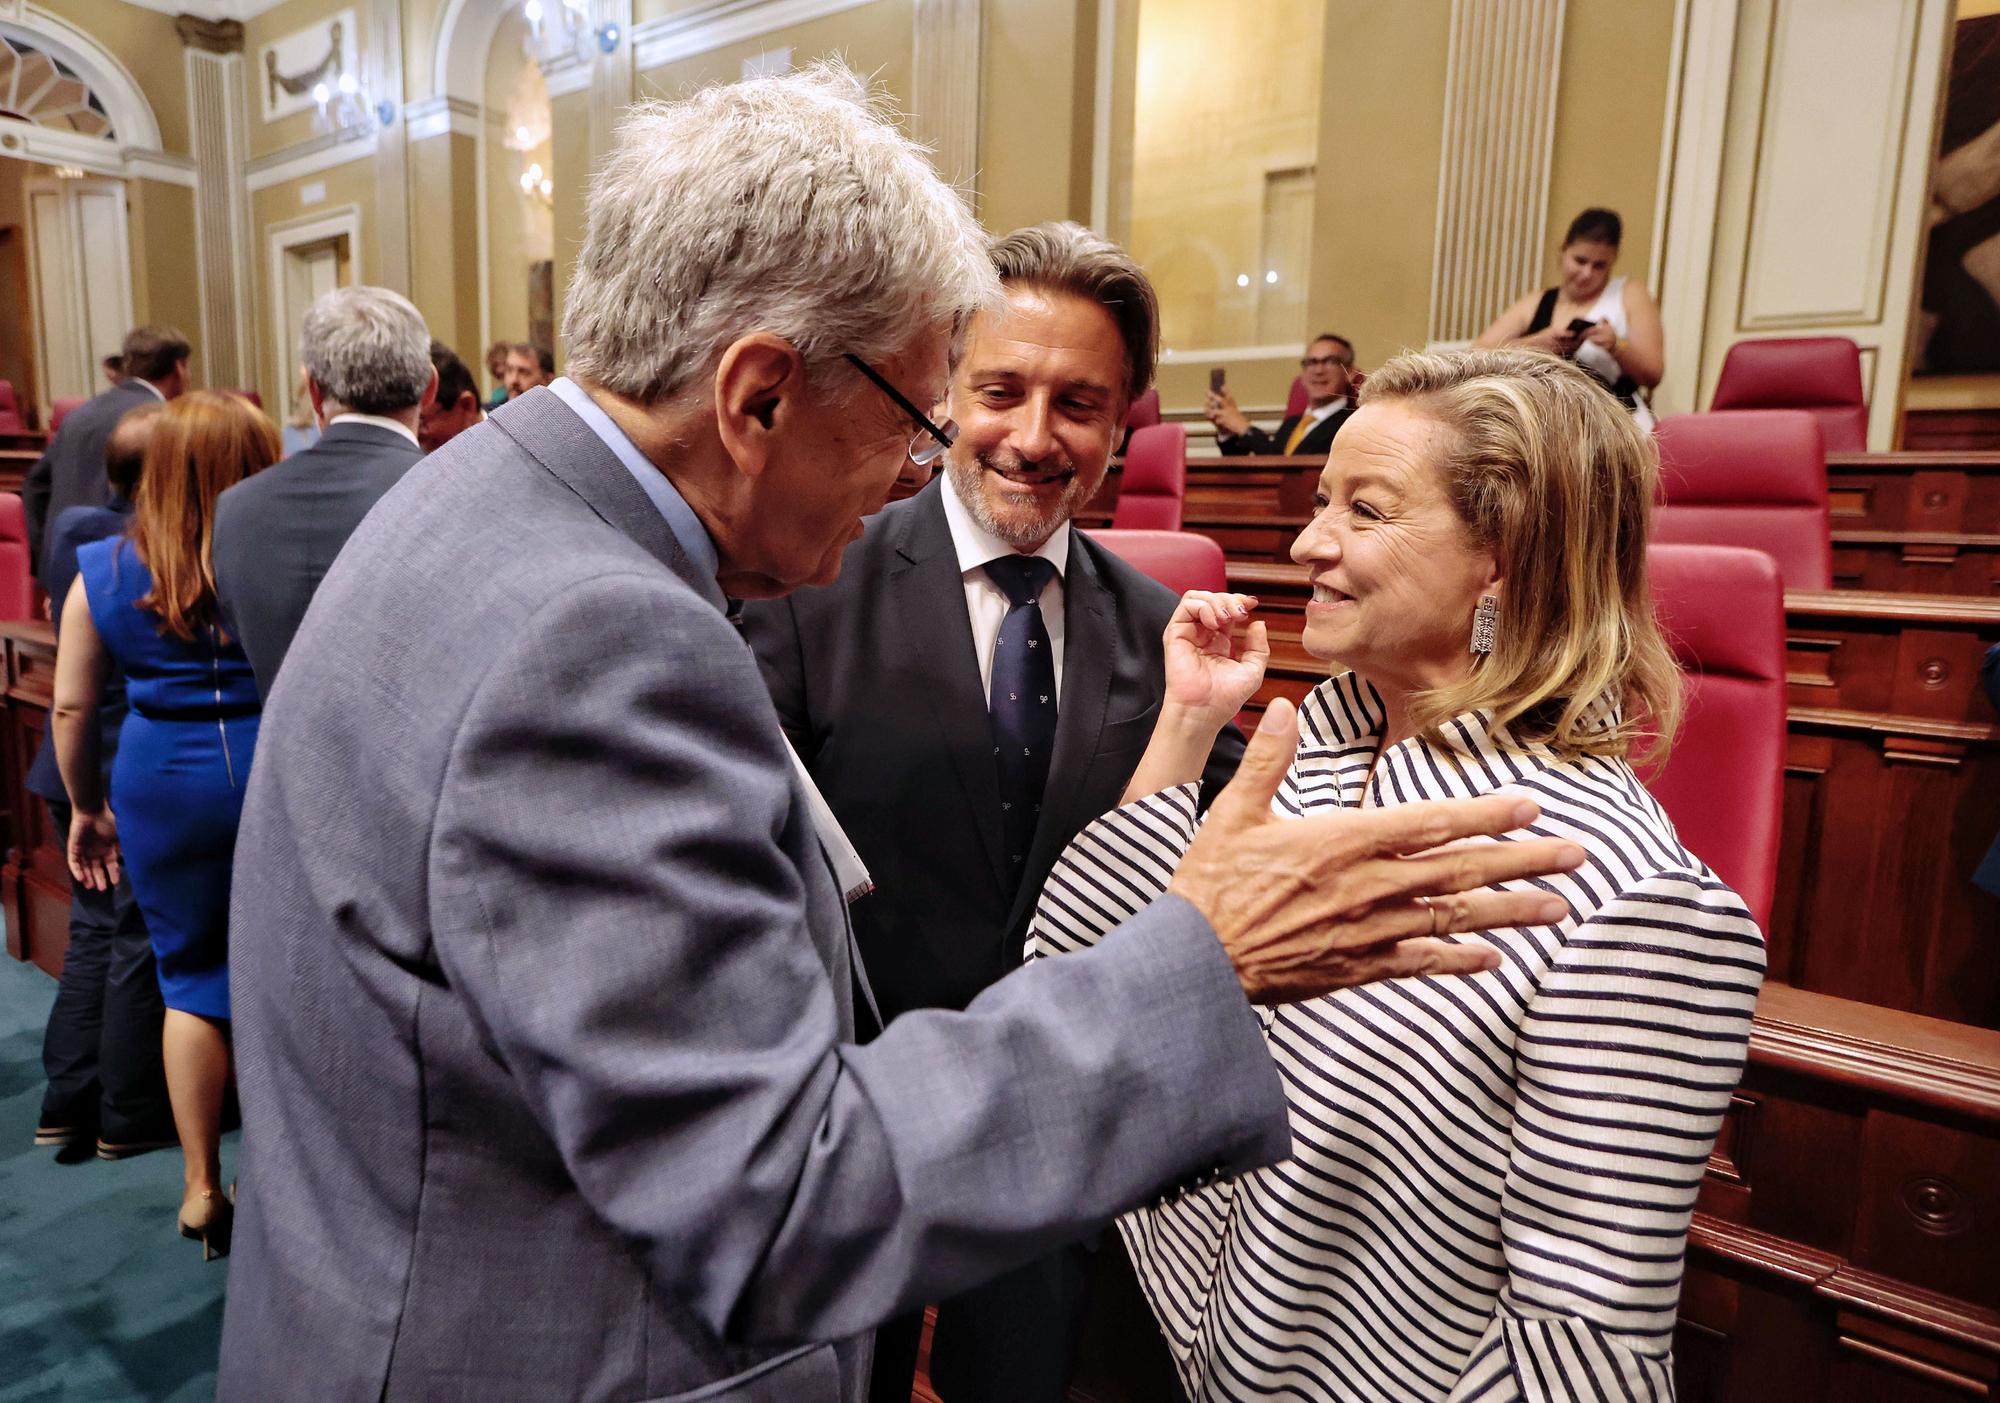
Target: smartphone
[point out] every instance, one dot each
(1580, 325)
(1216, 376)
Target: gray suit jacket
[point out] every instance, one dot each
(542, 1001)
(70, 472)
(276, 534)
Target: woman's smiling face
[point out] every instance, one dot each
(1394, 570)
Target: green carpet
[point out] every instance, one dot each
(99, 1297)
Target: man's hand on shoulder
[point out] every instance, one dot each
(1305, 906)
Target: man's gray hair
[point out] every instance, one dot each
(791, 205)
(368, 349)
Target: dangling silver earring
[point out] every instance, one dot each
(1482, 622)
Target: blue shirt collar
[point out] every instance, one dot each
(688, 531)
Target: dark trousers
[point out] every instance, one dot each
(1012, 1340)
(102, 1047)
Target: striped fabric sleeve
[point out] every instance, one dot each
(1112, 870)
(1625, 1062)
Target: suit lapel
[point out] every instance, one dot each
(1088, 644)
(930, 599)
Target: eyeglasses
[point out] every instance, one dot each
(931, 441)
(1322, 362)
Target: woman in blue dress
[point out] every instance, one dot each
(146, 600)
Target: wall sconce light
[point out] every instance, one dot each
(536, 185)
(607, 38)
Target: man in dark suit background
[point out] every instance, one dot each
(367, 357)
(71, 472)
(1328, 371)
(101, 1048)
(891, 684)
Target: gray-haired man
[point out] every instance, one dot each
(541, 977)
(367, 358)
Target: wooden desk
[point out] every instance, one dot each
(34, 881)
(1956, 491)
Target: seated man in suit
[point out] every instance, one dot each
(101, 1049)
(1328, 371)
(367, 358)
(897, 688)
(455, 407)
(544, 992)
(71, 470)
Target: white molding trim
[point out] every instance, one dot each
(310, 158)
(107, 78)
(208, 9)
(464, 45)
(566, 75)
(1101, 125)
(290, 233)
(672, 37)
(158, 165)
(1286, 350)
(437, 116)
(1699, 133)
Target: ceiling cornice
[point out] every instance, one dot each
(238, 10)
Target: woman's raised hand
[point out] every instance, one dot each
(1215, 654)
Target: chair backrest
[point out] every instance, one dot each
(1298, 399)
(59, 410)
(1723, 611)
(10, 411)
(17, 585)
(1748, 477)
(1153, 486)
(1818, 374)
(1180, 560)
(256, 400)
(1145, 411)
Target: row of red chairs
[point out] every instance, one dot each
(10, 408)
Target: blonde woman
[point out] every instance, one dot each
(1492, 1178)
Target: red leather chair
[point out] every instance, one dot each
(59, 410)
(1818, 374)
(1748, 477)
(1180, 560)
(1723, 611)
(256, 400)
(1145, 411)
(17, 585)
(1153, 486)
(1298, 399)
(10, 411)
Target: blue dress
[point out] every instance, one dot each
(177, 784)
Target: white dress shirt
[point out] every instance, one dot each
(379, 421)
(986, 604)
(1316, 412)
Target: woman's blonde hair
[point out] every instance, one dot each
(206, 442)
(1549, 473)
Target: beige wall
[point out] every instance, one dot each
(160, 218)
(444, 264)
(874, 38)
(275, 24)
(569, 157)
(1611, 112)
(1038, 85)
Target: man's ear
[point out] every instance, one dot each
(468, 403)
(429, 395)
(759, 386)
(318, 397)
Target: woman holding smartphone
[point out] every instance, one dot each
(1609, 326)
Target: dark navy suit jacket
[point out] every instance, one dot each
(71, 472)
(276, 534)
(77, 527)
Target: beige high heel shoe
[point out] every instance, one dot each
(207, 1218)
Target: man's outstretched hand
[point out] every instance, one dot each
(1308, 905)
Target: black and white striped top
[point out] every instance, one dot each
(1491, 1177)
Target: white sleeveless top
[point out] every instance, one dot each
(1610, 307)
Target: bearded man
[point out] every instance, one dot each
(960, 770)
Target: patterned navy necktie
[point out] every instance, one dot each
(1022, 702)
